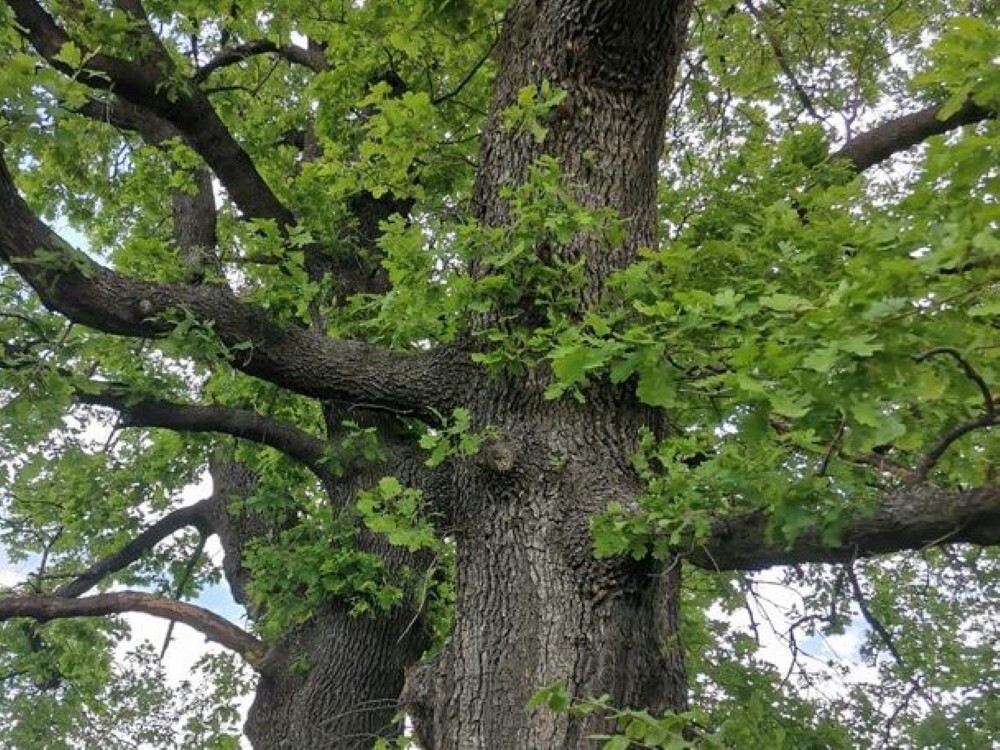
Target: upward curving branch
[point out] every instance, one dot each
(67, 281)
(308, 57)
(43, 608)
(198, 516)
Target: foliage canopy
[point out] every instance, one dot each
(273, 208)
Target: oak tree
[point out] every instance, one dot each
(515, 339)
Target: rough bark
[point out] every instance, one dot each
(616, 62)
(534, 607)
(334, 681)
(905, 519)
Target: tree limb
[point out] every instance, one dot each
(197, 516)
(783, 64)
(292, 357)
(309, 58)
(42, 608)
(187, 109)
(878, 144)
(248, 425)
(905, 519)
(126, 116)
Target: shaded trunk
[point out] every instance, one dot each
(336, 680)
(534, 605)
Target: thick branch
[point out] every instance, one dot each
(215, 628)
(289, 356)
(197, 516)
(309, 58)
(187, 109)
(194, 215)
(125, 116)
(912, 518)
(889, 138)
(248, 425)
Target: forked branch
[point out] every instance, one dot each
(197, 516)
(988, 418)
(187, 109)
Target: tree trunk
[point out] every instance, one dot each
(336, 680)
(534, 606)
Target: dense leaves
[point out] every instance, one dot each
(814, 337)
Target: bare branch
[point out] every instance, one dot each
(968, 369)
(197, 516)
(904, 519)
(782, 59)
(189, 569)
(467, 78)
(873, 622)
(240, 423)
(43, 608)
(292, 357)
(309, 58)
(894, 136)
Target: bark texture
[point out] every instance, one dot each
(534, 606)
(616, 62)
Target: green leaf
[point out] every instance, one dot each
(786, 303)
(656, 386)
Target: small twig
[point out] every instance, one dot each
(423, 600)
(783, 64)
(900, 707)
(834, 447)
(988, 418)
(969, 370)
(748, 591)
(192, 563)
(468, 76)
(881, 463)
(873, 622)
